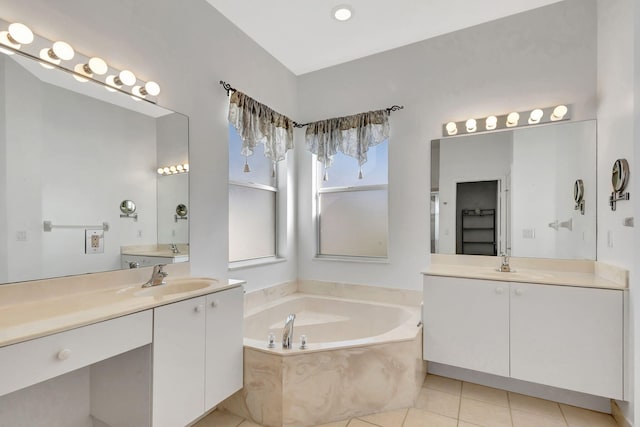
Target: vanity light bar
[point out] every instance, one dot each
(19, 38)
(174, 169)
(509, 120)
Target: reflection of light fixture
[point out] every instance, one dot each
(61, 51)
(111, 81)
(125, 78)
(79, 69)
(512, 119)
(452, 129)
(342, 13)
(535, 116)
(491, 122)
(471, 125)
(559, 112)
(173, 169)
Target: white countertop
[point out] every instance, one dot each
(589, 274)
(26, 313)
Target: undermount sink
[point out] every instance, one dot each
(176, 286)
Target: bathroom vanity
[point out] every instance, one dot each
(158, 356)
(550, 322)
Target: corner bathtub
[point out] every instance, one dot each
(362, 357)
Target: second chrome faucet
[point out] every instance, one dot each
(158, 276)
(287, 333)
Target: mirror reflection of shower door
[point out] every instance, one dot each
(435, 221)
(477, 208)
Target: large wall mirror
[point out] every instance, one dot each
(513, 192)
(72, 153)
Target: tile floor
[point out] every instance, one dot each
(444, 402)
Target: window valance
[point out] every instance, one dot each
(258, 124)
(350, 135)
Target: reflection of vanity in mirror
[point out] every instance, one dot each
(73, 153)
(512, 192)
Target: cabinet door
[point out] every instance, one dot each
(568, 337)
(224, 345)
(466, 323)
(178, 362)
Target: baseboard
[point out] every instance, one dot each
(619, 416)
(573, 398)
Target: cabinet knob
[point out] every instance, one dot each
(64, 354)
(499, 290)
(519, 292)
(198, 308)
(215, 303)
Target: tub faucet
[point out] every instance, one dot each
(504, 265)
(157, 276)
(174, 248)
(287, 333)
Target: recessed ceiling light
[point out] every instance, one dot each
(342, 13)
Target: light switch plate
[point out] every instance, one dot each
(93, 241)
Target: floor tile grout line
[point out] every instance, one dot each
(510, 408)
(564, 416)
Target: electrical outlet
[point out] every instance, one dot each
(139, 233)
(94, 241)
(21, 236)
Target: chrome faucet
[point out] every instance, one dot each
(504, 265)
(174, 248)
(157, 276)
(287, 333)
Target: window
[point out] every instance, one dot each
(253, 201)
(353, 213)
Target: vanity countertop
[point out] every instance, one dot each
(27, 313)
(162, 251)
(589, 274)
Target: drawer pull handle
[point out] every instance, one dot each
(198, 308)
(499, 290)
(215, 303)
(519, 292)
(64, 354)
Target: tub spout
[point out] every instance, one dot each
(287, 333)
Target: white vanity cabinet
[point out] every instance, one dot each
(466, 324)
(568, 337)
(34, 361)
(197, 356)
(560, 336)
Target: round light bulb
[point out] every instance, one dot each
(559, 112)
(4, 39)
(44, 55)
(63, 51)
(452, 129)
(491, 122)
(127, 77)
(471, 125)
(160, 171)
(172, 169)
(180, 168)
(152, 88)
(20, 33)
(535, 116)
(342, 13)
(512, 119)
(186, 166)
(166, 170)
(97, 65)
(79, 68)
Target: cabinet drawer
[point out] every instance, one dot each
(31, 362)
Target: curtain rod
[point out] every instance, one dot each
(230, 89)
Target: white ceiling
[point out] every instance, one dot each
(304, 37)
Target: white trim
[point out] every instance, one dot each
(257, 262)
